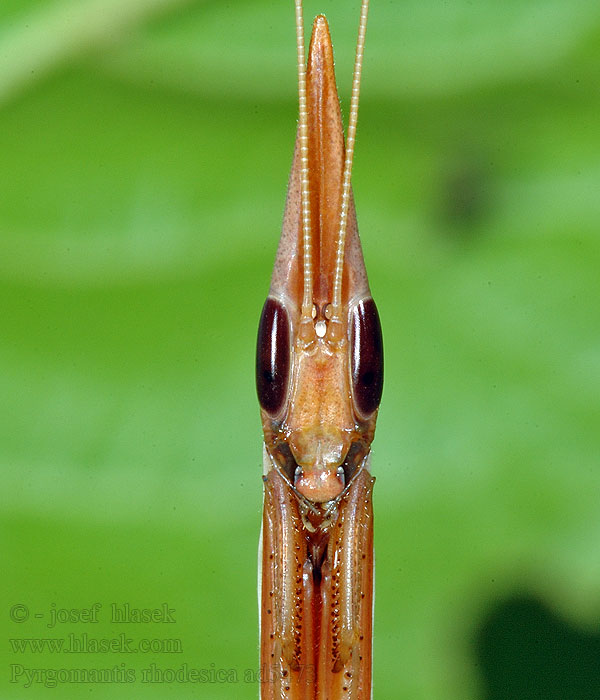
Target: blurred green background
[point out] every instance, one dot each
(145, 148)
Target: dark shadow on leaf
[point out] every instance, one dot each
(524, 650)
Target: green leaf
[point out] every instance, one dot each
(145, 151)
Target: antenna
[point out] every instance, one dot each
(350, 139)
(307, 303)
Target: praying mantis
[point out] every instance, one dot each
(319, 376)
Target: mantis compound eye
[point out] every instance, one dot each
(273, 357)
(366, 357)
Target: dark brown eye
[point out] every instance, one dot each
(366, 357)
(272, 357)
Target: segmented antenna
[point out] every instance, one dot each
(307, 302)
(350, 139)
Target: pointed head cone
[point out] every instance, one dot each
(326, 163)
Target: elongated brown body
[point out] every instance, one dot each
(319, 381)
